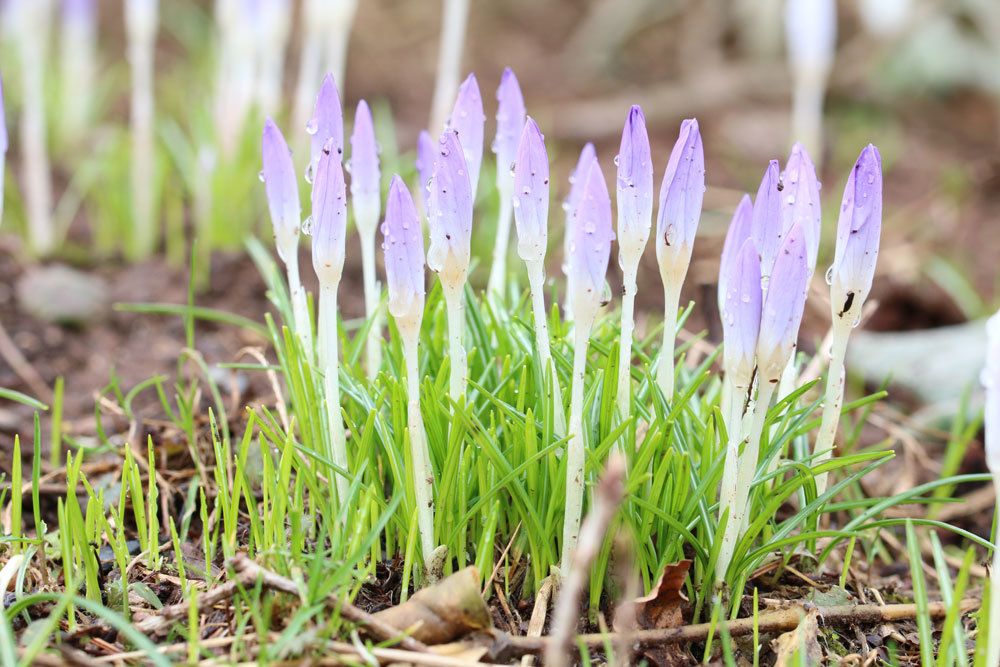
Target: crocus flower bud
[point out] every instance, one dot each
(531, 194)
(282, 189)
(858, 232)
(329, 217)
(424, 164)
(741, 310)
(365, 176)
(576, 182)
(783, 306)
(590, 245)
(510, 121)
(739, 231)
(404, 253)
(450, 212)
(681, 195)
(991, 382)
(767, 227)
(635, 188)
(327, 123)
(468, 121)
(800, 202)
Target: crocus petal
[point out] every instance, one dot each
(450, 210)
(741, 310)
(329, 216)
(635, 182)
(365, 176)
(783, 305)
(739, 231)
(510, 121)
(858, 232)
(991, 382)
(424, 164)
(590, 248)
(531, 193)
(327, 122)
(801, 203)
(469, 122)
(404, 252)
(576, 180)
(767, 226)
(281, 187)
(681, 192)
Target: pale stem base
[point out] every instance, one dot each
(746, 467)
(807, 107)
(329, 357)
(625, 346)
(665, 368)
(37, 175)
(575, 451)
(141, 59)
(454, 298)
(423, 473)
(455, 14)
(536, 281)
(498, 271)
(297, 295)
(373, 298)
(993, 640)
(834, 399)
(733, 403)
(309, 81)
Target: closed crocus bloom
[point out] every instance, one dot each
(681, 195)
(858, 232)
(424, 164)
(329, 217)
(510, 121)
(468, 121)
(767, 226)
(531, 194)
(800, 202)
(365, 175)
(590, 247)
(404, 252)
(450, 212)
(635, 187)
(739, 231)
(783, 306)
(576, 182)
(741, 309)
(282, 189)
(327, 123)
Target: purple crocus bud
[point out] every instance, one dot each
(783, 306)
(739, 231)
(424, 164)
(468, 121)
(741, 309)
(450, 212)
(510, 121)
(327, 123)
(800, 203)
(858, 232)
(635, 187)
(281, 187)
(576, 181)
(767, 227)
(365, 176)
(531, 194)
(681, 195)
(404, 252)
(590, 244)
(329, 216)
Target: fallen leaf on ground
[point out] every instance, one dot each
(799, 646)
(662, 608)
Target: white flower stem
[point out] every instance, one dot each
(536, 280)
(309, 79)
(834, 399)
(665, 370)
(575, 451)
(373, 346)
(454, 298)
(297, 295)
(422, 473)
(455, 14)
(993, 639)
(3, 172)
(330, 359)
(745, 470)
(625, 346)
(807, 106)
(498, 271)
(77, 68)
(141, 61)
(732, 414)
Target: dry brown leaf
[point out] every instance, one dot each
(663, 608)
(800, 642)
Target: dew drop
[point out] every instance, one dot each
(260, 175)
(307, 226)
(829, 275)
(312, 127)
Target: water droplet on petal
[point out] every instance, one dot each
(260, 175)
(829, 275)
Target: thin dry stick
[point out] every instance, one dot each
(607, 497)
(12, 355)
(536, 624)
